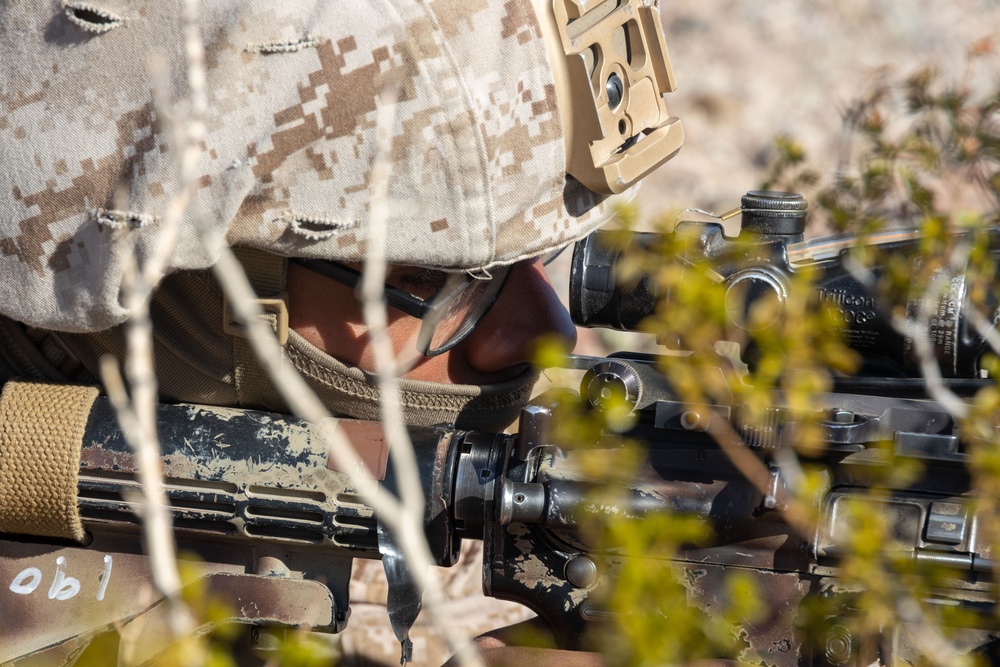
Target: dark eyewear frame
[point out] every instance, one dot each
(551, 256)
(430, 311)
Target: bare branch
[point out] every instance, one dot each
(915, 330)
(984, 327)
(410, 535)
(138, 419)
(299, 396)
(191, 139)
(138, 415)
(376, 318)
(932, 643)
(755, 472)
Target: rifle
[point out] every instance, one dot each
(275, 526)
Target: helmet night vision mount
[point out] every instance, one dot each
(611, 70)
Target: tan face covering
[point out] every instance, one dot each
(351, 391)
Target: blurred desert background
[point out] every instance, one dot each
(749, 71)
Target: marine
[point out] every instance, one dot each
(133, 130)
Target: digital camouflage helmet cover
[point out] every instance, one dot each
(478, 158)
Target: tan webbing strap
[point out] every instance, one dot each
(41, 434)
(266, 273)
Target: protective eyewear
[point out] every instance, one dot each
(446, 317)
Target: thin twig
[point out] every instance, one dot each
(303, 402)
(931, 642)
(298, 395)
(138, 419)
(984, 327)
(410, 538)
(755, 472)
(138, 415)
(915, 330)
(376, 319)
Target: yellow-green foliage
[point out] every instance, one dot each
(894, 176)
(951, 139)
(212, 639)
(658, 624)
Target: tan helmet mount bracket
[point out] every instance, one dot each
(611, 69)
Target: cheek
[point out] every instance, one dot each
(402, 333)
(328, 315)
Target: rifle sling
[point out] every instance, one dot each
(41, 434)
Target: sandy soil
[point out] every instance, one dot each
(748, 71)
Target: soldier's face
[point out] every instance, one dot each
(328, 315)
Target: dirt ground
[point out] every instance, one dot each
(748, 71)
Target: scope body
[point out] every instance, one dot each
(760, 265)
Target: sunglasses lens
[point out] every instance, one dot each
(458, 311)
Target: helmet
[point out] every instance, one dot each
(93, 94)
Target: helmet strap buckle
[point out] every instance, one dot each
(275, 312)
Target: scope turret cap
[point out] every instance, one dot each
(89, 166)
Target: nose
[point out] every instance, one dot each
(526, 309)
